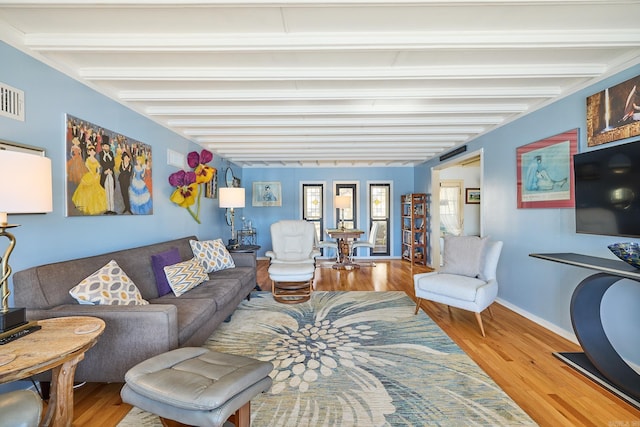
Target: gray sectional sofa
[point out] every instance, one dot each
(134, 333)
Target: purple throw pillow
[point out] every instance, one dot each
(158, 262)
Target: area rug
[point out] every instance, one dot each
(357, 359)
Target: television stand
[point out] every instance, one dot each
(600, 361)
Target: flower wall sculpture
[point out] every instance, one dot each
(190, 184)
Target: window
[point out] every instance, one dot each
(313, 206)
(349, 215)
(379, 206)
(451, 207)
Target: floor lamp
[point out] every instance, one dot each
(231, 198)
(342, 203)
(25, 187)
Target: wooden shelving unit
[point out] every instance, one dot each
(414, 227)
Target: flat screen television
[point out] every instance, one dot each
(607, 190)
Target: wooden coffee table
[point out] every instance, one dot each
(60, 345)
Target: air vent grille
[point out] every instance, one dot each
(11, 102)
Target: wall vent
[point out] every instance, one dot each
(11, 102)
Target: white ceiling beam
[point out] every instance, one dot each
(318, 152)
(354, 155)
(490, 71)
(330, 138)
(328, 41)
(340, 94)
(436, 144)
(339, 121)
(279, 110)
(283, 3)
(362, 130)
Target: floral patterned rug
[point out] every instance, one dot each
(357, 359)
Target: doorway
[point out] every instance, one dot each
(467, 171)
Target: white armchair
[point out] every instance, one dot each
(467, 279)
(326, 244)
(293, 241)
(370, 242)
(292, 265)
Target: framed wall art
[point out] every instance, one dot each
(107, 172)
(545, 172)
(472, 196)
(267, 193)
(614, 113)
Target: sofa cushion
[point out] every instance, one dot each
(212, 254)
(185, 275)
(110, 285)
(192, 313)
(246, 275)
(219, 292)
(463, 255)
(159, 262)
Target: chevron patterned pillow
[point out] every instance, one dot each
(185, 276)
(212, 254)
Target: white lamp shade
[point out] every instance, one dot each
(25, 183)
(342, 202)
(231, 197)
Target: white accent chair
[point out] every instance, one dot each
(327, 244)
(293, 257)
(370, 242)
(467, 279)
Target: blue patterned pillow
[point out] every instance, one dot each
(185, 276)
(212, 254)
(108, 286)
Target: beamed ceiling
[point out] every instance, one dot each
(329, 83)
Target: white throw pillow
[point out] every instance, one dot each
(463, 255)
(185, 276)
(108, 286)
(212, 254)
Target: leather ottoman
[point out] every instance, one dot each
(196, 386)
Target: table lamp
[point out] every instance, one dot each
(231, 198)
(342, 203)
(25, 187)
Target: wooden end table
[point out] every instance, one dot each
(60, 345)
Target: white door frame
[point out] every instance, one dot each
(434, 229)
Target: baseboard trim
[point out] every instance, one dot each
(540, 321)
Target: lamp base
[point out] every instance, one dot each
(12, 318)
(233, 243)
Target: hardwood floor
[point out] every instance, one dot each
(516, 353)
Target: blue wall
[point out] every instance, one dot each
(542, 289)
(49, 95)
(401, 182)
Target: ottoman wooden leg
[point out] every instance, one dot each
(242, 417)
(171, 423)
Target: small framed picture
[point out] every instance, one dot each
(472, 196)
(211, 187)
(267, 193)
